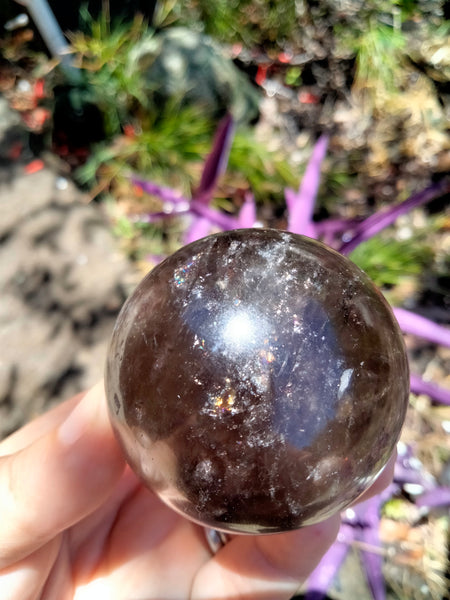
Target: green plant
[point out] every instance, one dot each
(166, 145)
(379, 61)
(170, 148)
(165, 139)
(114, 82)
(266, 172)
(252, 23)
(388, 260)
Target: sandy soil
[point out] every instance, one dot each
(63, 281)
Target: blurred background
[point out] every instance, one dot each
(137, 90)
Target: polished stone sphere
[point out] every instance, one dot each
(257, 381)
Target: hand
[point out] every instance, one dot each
(76, 524)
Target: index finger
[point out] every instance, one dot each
(58, 479)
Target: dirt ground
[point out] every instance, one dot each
(63, 281)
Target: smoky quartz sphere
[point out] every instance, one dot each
(257, 381)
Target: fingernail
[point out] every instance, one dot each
(74, 426)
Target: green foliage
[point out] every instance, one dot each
(251, 22)
(164, 148)
(379, 57)
(388, 260)
(275, 23)
(266, 172)
(293, 76)
(170, 149)
(396, 509)
(169, 139)
(378, 48)
(115, 83)
(380, 73)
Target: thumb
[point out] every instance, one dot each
(58, 479)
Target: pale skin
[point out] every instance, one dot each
(76, 524)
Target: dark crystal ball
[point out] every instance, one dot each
(257, 381)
